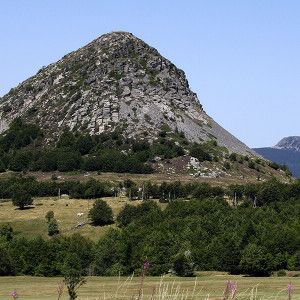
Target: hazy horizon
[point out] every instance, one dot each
(242, 59)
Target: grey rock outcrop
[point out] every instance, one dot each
(289, 143)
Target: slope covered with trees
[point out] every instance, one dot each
(256, 234)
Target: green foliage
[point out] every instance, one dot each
(251, 164)
(19, 135)
(271, 191)
(274, 165)
(7, 266)
(126, 215)
(256, 261)
(52, 227)
(21, 197)
(233, 157)
(2, 166)
(73, 275)
(6, 232)
(49, 215)
(199, 152)
(115, 75)
(68, 160)
(204, 190)
(101, 213)
(227, 166)
(242, 239)
(281, 273)
(111, 254)
(183, 264)
(90, 190)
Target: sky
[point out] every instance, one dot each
(242, 57)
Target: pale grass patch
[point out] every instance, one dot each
(170, 290)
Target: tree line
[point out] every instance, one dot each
(207, 232)
(20, 187)
(191, 235)
(22, 148)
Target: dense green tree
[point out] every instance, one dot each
(101, 213)
(256, 261)
(21, 197)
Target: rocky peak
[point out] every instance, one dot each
(289, 143)
(115, 82)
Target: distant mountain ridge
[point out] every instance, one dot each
(289, 143)
(285, 152)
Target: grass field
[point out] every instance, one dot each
(31, 222)
(205, 286)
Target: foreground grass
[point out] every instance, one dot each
(205, 286)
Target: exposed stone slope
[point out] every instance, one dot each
(289, 143)
(116, 81)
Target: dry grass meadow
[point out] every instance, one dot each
(205, 286)
(31, 222)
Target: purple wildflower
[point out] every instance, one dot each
(290, 289)
(230, 290)
(146, 266)
(14, 294)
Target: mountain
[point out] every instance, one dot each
(116, 105)
(285, 152)
(289, 143)
(115, 82)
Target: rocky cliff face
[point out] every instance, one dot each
(116, 81)
(289, 143)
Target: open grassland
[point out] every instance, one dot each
(205, 286)
(31, 222)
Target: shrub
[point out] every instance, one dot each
(101, 213)
(201, 154)
(233, 157)
(227, 166)
(281, 273)
(52, 227)
(6, 232)
(183, 264)
(49, 215)
(251, 164)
